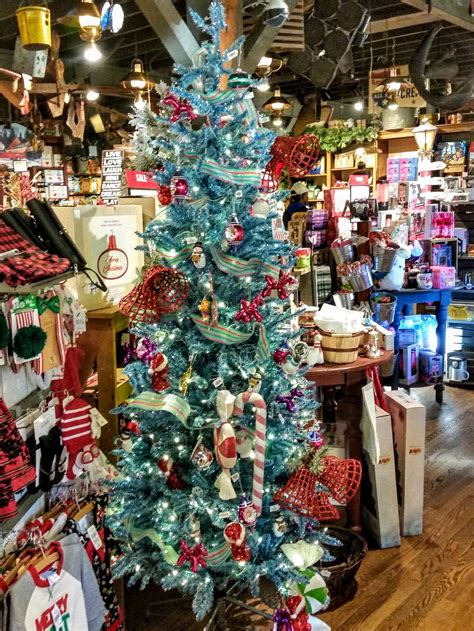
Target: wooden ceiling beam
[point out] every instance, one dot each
(260, 39)
(454, 12)
(400, 22)
(171, 29)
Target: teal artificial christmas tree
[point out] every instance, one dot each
(221, 407)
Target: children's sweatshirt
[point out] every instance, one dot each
(66, 598)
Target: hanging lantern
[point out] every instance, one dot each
(136, 78)
(34, 24)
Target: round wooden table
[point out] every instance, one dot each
(349, 409)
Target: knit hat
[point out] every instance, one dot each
(76, 430)
(300, 188)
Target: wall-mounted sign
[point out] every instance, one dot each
(112, 170)
(406, 96)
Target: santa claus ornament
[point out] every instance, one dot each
(159, 372)
(234, 533)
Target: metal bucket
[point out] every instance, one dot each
(362, 279)
(34, 24)
(343, 254)
(345, 299)
(384, 258)
(383, 311)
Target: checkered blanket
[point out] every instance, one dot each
(31, 264)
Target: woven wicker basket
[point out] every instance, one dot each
(340, 348)
(341, 582)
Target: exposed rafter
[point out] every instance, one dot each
(454, 12)
(170, 27)
(401, 21)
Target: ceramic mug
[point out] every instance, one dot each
(424, 280)
(457, 374)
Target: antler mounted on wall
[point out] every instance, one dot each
(419, 72)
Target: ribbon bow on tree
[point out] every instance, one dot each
(146, 349)
(181, 107)
(129, 353)
(53, 303)
(195, 556)
(282, 620)
(249, 310)
(279, 285)
(288, 399)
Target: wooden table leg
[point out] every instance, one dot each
(329, 404)
(442, 318)
(351, 411)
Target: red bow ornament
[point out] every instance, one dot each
(249, 310)
(181, 108)
(279, 285)
(195, 556)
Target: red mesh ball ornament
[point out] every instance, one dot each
(303, 155)
(297, 155)
(163, 290)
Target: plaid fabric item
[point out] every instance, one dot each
(31, 265)
(322, 283)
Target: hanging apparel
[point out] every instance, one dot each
(16, 470)
(76, 430)
(65, 597)
(50, 320)
(100, 558)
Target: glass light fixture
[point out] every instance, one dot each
(393, 86)
(277, 103)
(139, 102)
(278, 121)
(136, 79)
(92, 95)
(84, 16)
(263, 85)
(425, 136)
(92, 52)
(359, 105)
(392, 104)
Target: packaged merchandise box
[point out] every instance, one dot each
(379, 488)
(108, 237)
(408, 425)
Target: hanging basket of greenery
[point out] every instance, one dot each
(334, 139)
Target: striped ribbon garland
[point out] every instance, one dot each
(234, 266)
(258, 401)
(218, 555)
(240, 105)
(231, 175)
(227, 335)
(137, 534)
(173, 257)
(153, 402)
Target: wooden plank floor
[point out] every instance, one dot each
(428, 583)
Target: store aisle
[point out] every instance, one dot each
(427, 584)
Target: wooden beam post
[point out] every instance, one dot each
(170, 27)
(401, 21)
(454, 11)
(260, 39)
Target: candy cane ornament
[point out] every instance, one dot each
(260, 438)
